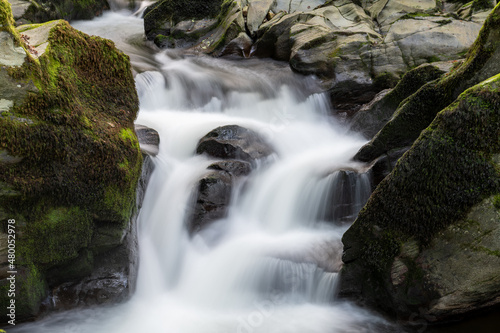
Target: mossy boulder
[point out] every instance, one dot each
(165, 14)
(73, 157)
(372, 117)
(39, 11)
(419, 110)
(432, 221)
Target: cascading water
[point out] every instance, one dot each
(271, 264)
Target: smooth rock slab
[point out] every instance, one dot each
(10, 55)
(257, 11)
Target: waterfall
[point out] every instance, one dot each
(271, 264)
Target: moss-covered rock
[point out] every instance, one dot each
(419, 110)
(438, 185)
(371, 118)
(76, 157)
(46, 10)
(165, 14)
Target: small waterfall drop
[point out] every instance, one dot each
(273, 262)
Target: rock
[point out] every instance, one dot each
(240, 46)
(386, 12)
(385, 164)
(212, 199)
(241, 150)
(19, 8)
(274, 36)
(419, 110)
(292, 6)
(414, 41)
(427, 240)
(373, 116)
(257, 12)
(10, 55)
(82, 161)
(234, 142)
(233, 167)
(36, 36)
(164, 14)
(149, 140)
(40, 11)
(348, 192)
(213, 194)
(5, 158)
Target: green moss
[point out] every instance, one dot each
(47, 10)
(55, 235)
(30, 290)
(385, 80)
(449, 169)
(86, 104)
(7, 23)
(479, 5)
(76, 269)
(171, 12)
(496, 201)
(411, 16)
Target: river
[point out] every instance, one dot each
(270, 265)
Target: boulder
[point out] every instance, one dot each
(149, 140)
(241, 150)
(419, 110)
(39, 11)
(70, 116)
(426, 241)
(234, 142)
(240, 46)
(373, 116)
(211, 200)
(163, 15)
(257, 12)
(412, 41)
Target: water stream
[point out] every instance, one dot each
(271, 265)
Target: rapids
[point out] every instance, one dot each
(271, 265)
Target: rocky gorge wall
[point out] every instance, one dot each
(357, 48)
(70, 164)
(426, 243)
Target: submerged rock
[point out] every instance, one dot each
(73, 195)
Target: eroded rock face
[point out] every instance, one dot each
(418, 111)
(356, 48)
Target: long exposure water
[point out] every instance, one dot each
(269, 266)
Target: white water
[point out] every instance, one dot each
(271, 265)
